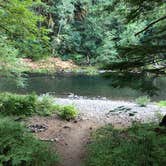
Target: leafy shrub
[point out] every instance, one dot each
(91, 71)
(13, 104)
(68, 112)
(138, 145)
(78, 58)
(10, 65)
(143, 101)
(162, 103)
(46, 106)
(159, 116)
(26, 105)
(34, 49)
(17, 147)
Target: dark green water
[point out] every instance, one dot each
(113, 86)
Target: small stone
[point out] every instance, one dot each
(56, 139)
(38, 128)
(71, 95)
(66, 127)
(131, 114)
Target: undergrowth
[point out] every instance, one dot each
(139, 145)
(162, 103)
(28, 105)
(68, 112)
(20, 148)
(14, 104)
(142, 101)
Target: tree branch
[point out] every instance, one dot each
(151, 24)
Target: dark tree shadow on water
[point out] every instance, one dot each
(142, 82)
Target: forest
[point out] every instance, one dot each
(82, 82)
(121, 35)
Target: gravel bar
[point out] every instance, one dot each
(109, 111)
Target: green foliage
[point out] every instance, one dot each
(10, 65)
(138, 145)
(106, 32)
(46, 106)
(143, 101)
(22, 26)
(162, 103)
(17, 147)
(68, 112)
(27, 105)
(34, 49)
(114, 34)
(13, 104)
(20, 36)
(91, 71)
(77, 58)
(159, 116)
(8, 55)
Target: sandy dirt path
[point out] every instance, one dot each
(69, 138)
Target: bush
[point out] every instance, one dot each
(91, 71)
(17, 147)
(162, 103)
(10, 65)
(68, 112)
(138, 145)
(46, 106)
(27, 105)
(13, 104)
(143, 101)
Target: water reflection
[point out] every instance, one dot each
(145, 83)
(114, 85)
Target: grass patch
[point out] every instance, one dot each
(143, 101)
(135, 146)
(162, 103)
(18, 147)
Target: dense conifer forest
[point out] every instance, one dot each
(82, 82)
(112, 34)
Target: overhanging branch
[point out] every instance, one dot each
(150, 25)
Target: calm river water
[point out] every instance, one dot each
(111, 85)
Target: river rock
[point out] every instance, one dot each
(38, 128)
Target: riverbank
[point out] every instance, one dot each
(71, 138)
(54, 65)
(108, 111)
(49, 65)
(69, 123)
